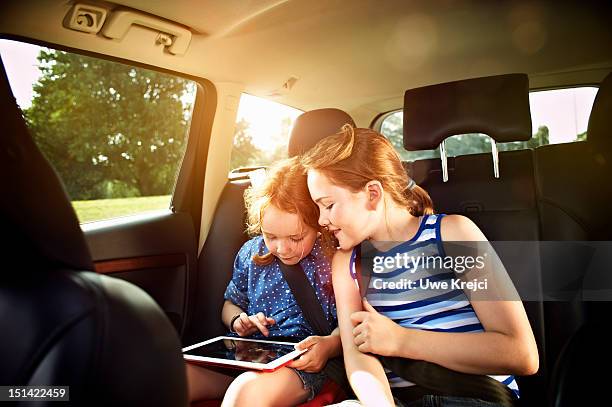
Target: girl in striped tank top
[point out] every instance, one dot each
(364, 194)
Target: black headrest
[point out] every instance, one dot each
(312, 126)
(38, 225)
(497, 106)
(599, 131)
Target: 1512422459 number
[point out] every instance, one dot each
(51, 393)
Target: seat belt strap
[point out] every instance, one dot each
(306, 298)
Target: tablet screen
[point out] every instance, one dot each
(242, 350)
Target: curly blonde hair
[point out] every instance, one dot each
(284, 187)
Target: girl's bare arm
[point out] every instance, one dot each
(364, 371)
(506, 347)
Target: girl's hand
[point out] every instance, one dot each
(315, 358)
(247, 325)
(375, 333)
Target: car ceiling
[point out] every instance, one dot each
(357, 55)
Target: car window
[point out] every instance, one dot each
(262, 132)
(558, 116)
(114, 133)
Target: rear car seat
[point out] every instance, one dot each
(227, 234)
(505, 208)
(574, 192)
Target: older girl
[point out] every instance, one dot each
(364, 193)
(259, 302)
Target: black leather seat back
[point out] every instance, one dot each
(61, 323)
(504, 208)
(496, 205)
(574, 195)
(226, 235)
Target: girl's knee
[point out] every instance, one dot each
(280, 388)
(243, 391)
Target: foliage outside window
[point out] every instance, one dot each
(262, 132)
(115, 133)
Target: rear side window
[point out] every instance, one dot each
(262, 132)
(115, 133)
(557, 116)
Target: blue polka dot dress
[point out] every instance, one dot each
(264, 289)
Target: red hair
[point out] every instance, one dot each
(355, 156)
(285, 187)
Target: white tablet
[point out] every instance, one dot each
(242, 353)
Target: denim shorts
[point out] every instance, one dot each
(313, 382)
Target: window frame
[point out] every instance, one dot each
(188, 186)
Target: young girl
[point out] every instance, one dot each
(259, 302)
(363, 193)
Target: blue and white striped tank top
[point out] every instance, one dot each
(449, 311)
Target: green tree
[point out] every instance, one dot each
(244, 152)
(540, 138)
(473, 143)
(393, 128)
(109, 129)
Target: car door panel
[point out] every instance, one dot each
(155, 252)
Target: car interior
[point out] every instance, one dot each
(106, 306)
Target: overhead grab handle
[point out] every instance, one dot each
(174, 37)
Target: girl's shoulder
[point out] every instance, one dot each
(459, 228)
(253, 246)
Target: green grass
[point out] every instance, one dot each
(99, 209)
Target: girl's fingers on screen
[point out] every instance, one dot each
(240, 330)
(245, 323)
(259, 325)
(244, 318)
(262, 318)
(245, 333)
